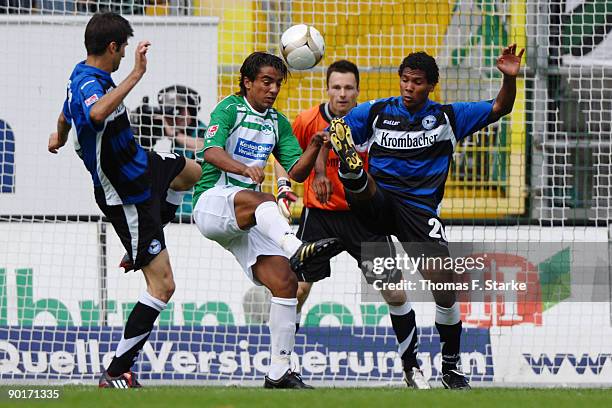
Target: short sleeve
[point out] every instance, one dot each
(90, 91)
(287, 150)
(222, 120)
(357, 120)
(471, 117)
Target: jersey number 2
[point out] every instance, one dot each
(437, 230)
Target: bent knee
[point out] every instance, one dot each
(188, 177)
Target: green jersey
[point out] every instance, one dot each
(249, 137)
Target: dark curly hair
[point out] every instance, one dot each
(253, 64)
(424, 62)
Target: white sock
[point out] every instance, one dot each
(448, 315)
(174, 197)
(400, 310)
(276, 227)
(282, 335)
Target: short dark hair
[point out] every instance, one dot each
(424, 62)
(343, 66)
(255, 62)
(105, 28)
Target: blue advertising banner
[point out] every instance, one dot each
(232, 353)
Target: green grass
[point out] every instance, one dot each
(175, 397)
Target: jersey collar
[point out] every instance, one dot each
(325, 112)
(253, 110)
(83, 67)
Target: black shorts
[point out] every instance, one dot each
(139, 225)
(419, 230)
(317, 224)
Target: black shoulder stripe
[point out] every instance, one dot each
(448, 109)
(374, 111)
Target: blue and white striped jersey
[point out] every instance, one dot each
(409, 155)
(118, 165)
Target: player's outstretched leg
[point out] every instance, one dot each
(343, 145)
(275, 226)
(351, 173)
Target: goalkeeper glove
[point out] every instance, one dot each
(285, 197)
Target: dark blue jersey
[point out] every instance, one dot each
(118, 165)
(409, 155)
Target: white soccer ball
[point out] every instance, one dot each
(302, 46)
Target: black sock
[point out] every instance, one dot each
(355, 182)
(405, 327)
(450, 340)
(139, 323)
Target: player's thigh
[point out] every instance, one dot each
(245, 203)
(214, 214)
(374, 213)
(424, 236)
(164, 168)
(139, 229)
(188, 177)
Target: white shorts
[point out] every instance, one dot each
(216, 219)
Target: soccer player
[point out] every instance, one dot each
(136, 191)
(243, 131)
(326, 212)
(410, 142)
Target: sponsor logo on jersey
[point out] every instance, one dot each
(429, 122)
(253, 150)
(391, 122)
(397, 140)
(211, 131)
(267, 129)
(91, 100)
(154, 247)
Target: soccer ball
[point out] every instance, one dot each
(302, 46)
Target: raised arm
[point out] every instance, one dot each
(109, 102)
(509, 63)
(302, 168)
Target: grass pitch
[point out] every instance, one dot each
(175, 397)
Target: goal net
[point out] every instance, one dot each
(532, 192)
